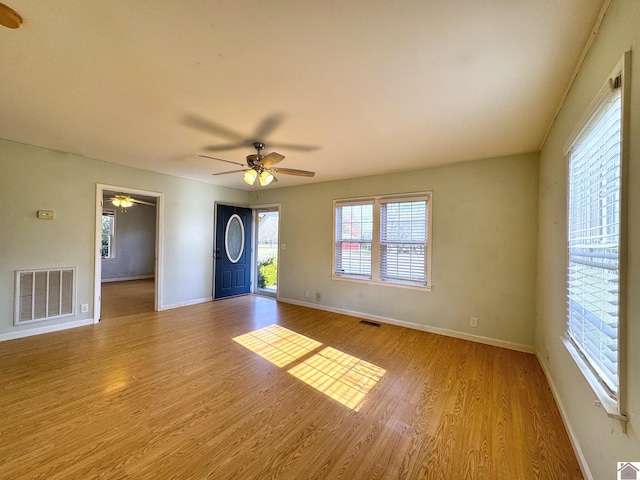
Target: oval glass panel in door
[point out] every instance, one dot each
(234, 238)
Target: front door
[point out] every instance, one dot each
(233, 251)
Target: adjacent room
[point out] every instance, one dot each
(249, 240)
(127, 266)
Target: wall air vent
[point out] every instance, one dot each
(44, 294)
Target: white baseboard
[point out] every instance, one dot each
(186, 304)
(425, 328)
(124, 279)
(582, 461)
(48, 329)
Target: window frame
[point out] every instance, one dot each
(614, 405)
(375, 276)
(112, 213)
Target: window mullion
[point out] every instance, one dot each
(375, 243)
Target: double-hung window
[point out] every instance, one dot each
(108, 249)
(353, 239)
(595, 241)
(383, 240)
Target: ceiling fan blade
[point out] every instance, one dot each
(268, 125)
(230, 171)
(222, 160)
(228, 146)
(142, 202)
(291, 146)
(207, 126)
(271, 159)
(293, 171)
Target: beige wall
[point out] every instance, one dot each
(599, 438)
(484, 248)
(33, 179)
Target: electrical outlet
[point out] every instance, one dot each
(473, 322)
(306, 293)
(318, 297)
(84, 308)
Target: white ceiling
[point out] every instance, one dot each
(376, 85)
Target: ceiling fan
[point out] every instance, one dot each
(125, 201)
(261, 167)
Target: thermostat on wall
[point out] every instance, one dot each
(45, 214)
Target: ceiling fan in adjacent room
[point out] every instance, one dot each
(261, 167)
(125, 201)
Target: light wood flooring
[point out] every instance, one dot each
(161, 395)
(130, 297)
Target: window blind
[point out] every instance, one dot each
(593, 225)
(383, 239)
(403, 241)
(353, 237)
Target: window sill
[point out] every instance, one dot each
(610, 406)
(410, 286)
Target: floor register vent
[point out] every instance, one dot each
(371, 324)
(44, 294)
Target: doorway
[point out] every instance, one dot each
(267, 227)
(128, 250)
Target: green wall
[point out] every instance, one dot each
(483, 257)
(600, 440)
(33, 179)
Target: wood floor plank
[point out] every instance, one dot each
(171, 395)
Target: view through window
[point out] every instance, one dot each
(267, 251)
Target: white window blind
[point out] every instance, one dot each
(353, 237)
(593, 223)
(403, 241)
(383, 239)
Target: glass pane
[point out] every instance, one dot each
(267, 234)
(353, 237)
(593, 232)
(403, 241)
(234, 238)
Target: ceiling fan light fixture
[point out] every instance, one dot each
(250, 177)
(122, 202)
(265, 178)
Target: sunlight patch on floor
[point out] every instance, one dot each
(277, 344)
(340, 376)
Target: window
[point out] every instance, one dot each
(383, 240)
(108, 234)
(353, 235)
(595, 286)
(403, 240)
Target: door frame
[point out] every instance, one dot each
(254, 259)
(100, 188)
